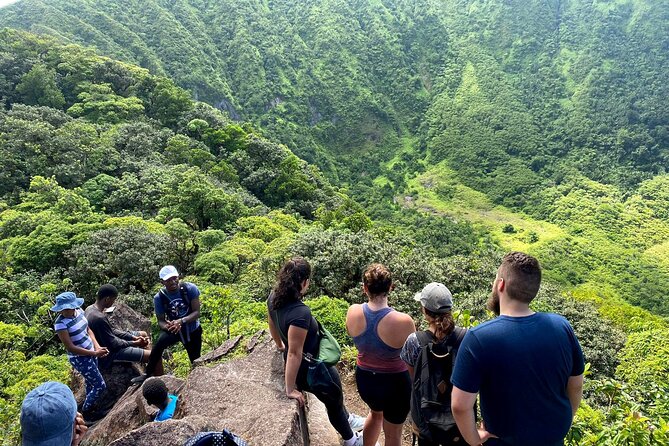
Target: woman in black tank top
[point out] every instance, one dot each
(295, 332)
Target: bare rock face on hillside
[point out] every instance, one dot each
(170, 432)
(117, 378)
(125, 318)
(130, 412)
(245, 396)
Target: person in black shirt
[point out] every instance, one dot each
(295, 324)
(126, 346)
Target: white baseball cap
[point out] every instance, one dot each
(167, 272)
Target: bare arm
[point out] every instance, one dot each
(194, 311)
(162, 323)
(349, 321)
(575, 392)
(408, 327)
(296, 338)
(274, 332)
(462, 406)
(96, 346)
(64, 337)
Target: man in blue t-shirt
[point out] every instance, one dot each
(527, 366)
(177, 307)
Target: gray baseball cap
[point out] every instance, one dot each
(435, 297)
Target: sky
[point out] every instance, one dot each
(7, 2)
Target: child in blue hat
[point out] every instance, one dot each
(82, 348)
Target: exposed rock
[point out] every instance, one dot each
(125, 318)
(219, 352)
(167, 433)
(321, 432)
(245, 396)
(254, 340)
(225, 105)
(117, 378)
(130, 412)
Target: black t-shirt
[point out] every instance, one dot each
(299, 315)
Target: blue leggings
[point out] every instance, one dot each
(95, 384)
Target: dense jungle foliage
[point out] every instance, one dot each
(445, 133)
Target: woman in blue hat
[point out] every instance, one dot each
(82, 348)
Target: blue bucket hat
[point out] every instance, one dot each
(47, 415)
(67, 301)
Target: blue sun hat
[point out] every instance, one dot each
(67, 301)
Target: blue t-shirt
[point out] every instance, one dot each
(520, 366)
(176, 307)
(168, 412)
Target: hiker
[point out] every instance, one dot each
(155, 393)
(123, 346)
(177, 307)
(383, 380)
(82, 348)
(430, 356)
(527, 366)
(295, 333)
(49, 417)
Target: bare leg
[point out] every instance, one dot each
(372, 429)
(393, 433)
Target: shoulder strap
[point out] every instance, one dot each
(184, 295)
(274, 314)
(457, 336)
(163, 299)
(424, 337)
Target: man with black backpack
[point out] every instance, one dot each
(430, 355)
(177, 307)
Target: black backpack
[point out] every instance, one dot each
(175, 308)
(224, 438)
(431, 395)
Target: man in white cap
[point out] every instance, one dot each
(177, 307)
(49, 417)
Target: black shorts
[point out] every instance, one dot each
(389, 393)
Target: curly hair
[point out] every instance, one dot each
(443, 322)
(378, 279)
(288, 287)
(155, 392)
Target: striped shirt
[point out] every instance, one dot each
(77, 328)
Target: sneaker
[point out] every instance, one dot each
(139, 379)
(356, 422)
(356, 440)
